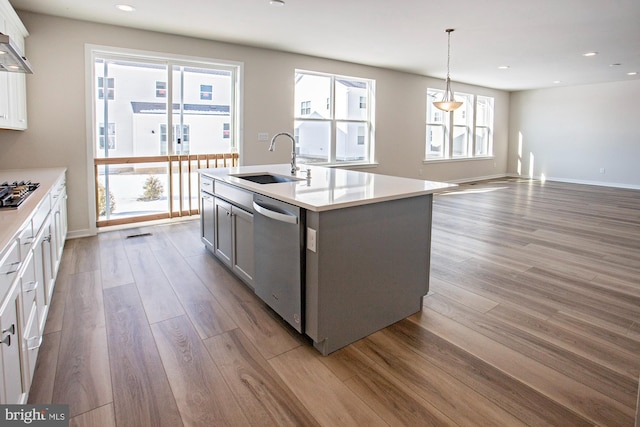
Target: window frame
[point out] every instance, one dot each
(449, 126)
(335, 123)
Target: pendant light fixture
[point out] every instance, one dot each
(448, 102)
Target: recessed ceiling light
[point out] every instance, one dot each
(503, 67)
(556, 82)
(125, 7)
(276, 2)
(590, 54)
(632, 73)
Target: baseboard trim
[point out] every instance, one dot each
(580, 181)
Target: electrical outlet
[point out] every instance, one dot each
(602, 170)
(263, 136)
(311, 239)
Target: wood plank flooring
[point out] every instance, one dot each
(533, 318)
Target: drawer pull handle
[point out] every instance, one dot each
(7, 340)
(34, 343)
(16, 266)
(30, 286)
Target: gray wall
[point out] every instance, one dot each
(572, 133)
(57, 133)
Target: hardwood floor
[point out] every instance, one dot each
(533, 318)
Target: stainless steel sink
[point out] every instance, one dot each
(267, 178)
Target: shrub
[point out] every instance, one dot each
(152, 189)
(102, 202)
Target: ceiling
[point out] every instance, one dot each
(541, 41)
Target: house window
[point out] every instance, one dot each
(111, 137)
(206, 92)
(484, 126)
(146, 85)
(110, 87)
(161, 89)
(460, 133)
(305, 108)
(180, 139)
(339, 128)
(225, 130)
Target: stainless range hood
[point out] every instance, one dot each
(11, 59)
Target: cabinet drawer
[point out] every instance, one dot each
(41, 213)
(58, 189)
(9, 266)
(206, 184)
(25, 238)
(235, 195)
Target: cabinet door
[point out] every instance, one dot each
(12, 390)
(18, 85)
(31, 340)
(59, 223)
(5, 116)
(207, 221)
(223, 231)
(42, 261)
(243, 264)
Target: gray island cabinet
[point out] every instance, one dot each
(365, 243)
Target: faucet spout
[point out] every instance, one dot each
(272, 146)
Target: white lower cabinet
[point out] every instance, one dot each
(12, 390)
(28, 269)
(31, 340)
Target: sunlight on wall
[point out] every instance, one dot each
(531, 165)
(519, 170)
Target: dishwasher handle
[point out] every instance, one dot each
(278, 216)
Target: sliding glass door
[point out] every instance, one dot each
(155, 120)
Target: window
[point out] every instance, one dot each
(110, 88)
(161, 89)
(305, 108)
(484, 124)
(462, 133)
(334, 122)
(154, 91)
(181, 139)
(111, 137)
(206, 92)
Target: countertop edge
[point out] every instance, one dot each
(286, 191)
(18, 218)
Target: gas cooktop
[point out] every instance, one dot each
(13, 194)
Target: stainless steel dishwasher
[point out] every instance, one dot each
(279, 257)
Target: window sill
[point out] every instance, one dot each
(344, 165)
(458, 159)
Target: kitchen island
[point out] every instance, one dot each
(365, 242)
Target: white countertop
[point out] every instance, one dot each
(328, 188)
(12, 220)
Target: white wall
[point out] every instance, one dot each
(571, 133)
(57, 120)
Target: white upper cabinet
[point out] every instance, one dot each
(13, 88)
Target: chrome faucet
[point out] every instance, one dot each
(294, 168)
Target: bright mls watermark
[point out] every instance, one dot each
(34, 415)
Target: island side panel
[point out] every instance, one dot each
(370, 269)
